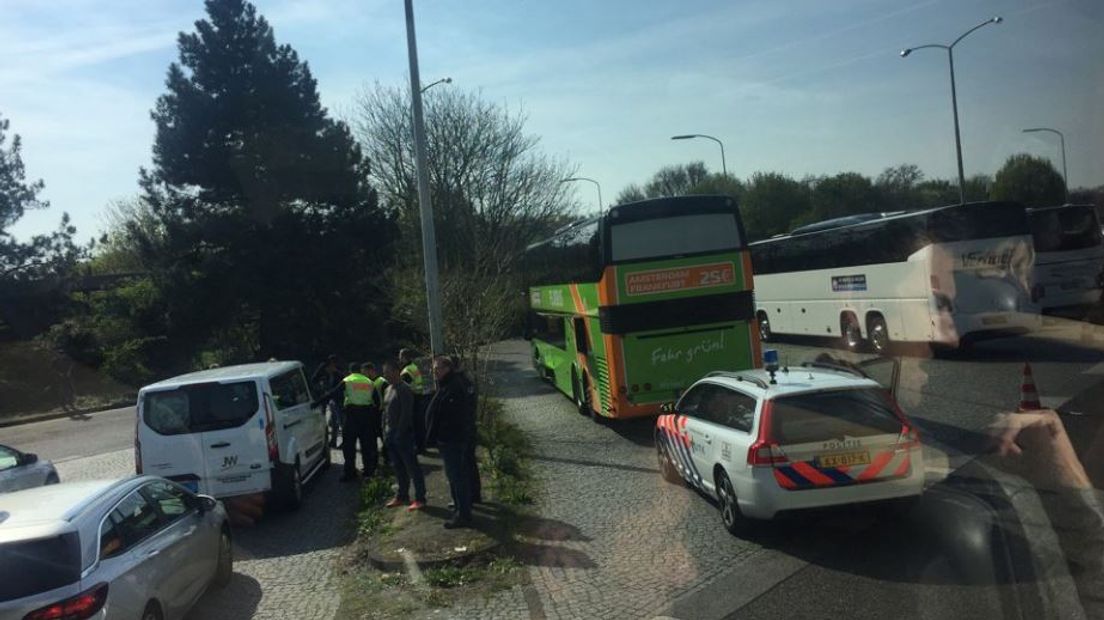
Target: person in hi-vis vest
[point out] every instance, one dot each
(412, 376)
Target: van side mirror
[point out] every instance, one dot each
(667, 407)
(29, 459)
(205, 503)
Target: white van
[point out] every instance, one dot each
(1069, 258)
(233, 431)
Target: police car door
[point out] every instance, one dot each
(703, 431)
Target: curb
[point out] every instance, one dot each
(54, 415)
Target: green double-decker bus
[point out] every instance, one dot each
(628, 309)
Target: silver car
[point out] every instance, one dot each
(22, 470)
(143, 547)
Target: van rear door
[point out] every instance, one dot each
(209, 437)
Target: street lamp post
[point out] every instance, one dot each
(724, 166)
(429, 237)
(954, 95)
(596, 184)
(1062, 139)
(447, 80)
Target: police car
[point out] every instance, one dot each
(764, 441)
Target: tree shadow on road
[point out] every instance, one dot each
(536, 543)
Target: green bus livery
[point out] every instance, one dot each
(629, 308)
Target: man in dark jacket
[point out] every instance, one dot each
(452, 427)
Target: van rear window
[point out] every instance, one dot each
(34, 566)
(201, 407)
(821, 416)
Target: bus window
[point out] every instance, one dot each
(674, 236)
(548, 328)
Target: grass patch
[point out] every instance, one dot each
(371, 593)
(507, 455)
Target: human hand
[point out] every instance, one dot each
(1036, 444)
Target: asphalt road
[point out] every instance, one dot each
(612, 539)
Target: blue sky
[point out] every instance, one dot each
(799, 86)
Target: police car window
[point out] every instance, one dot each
(8, 458)
(111, 541)
(735, 410)
(694, 402)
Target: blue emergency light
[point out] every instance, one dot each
(770, 363)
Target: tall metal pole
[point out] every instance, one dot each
(1062, 139)
(954, 94)
(429, 236)
(690, 136)
(601, 205)
(958, 135)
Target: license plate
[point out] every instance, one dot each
(191, 485)
(994, 320)
(844, 459)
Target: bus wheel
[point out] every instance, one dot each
(852, 335)
(577, 393)
(879, 335)
(764, 328)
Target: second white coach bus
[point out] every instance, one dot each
(944, 276)
(1069, 258)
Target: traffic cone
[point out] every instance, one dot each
(1029, 396)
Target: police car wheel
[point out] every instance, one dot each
(666, 466)
(730, 509)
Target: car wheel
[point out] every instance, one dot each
(152, 612)
(730, 510)
(225, 568)
(879, 335)
(52, 478)
(666, 466)
(852, 335)
(764, 328)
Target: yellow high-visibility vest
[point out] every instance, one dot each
(358, 390)
(416, 382)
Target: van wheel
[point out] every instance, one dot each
(851, 333)
(291, 481)
(733, 520)
(879, 335)
(152, 611)
(225, 568)
(764, 328)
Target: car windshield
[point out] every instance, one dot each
(554, 221)
(38, 565)
(199, 408)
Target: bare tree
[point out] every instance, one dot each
(494, 192)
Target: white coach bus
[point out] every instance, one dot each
(944, 276)
(1069, 258)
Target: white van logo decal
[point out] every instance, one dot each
(229, 461)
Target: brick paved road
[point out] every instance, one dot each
(284, 566)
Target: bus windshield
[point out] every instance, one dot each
(674, 236)
(1065, 229)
